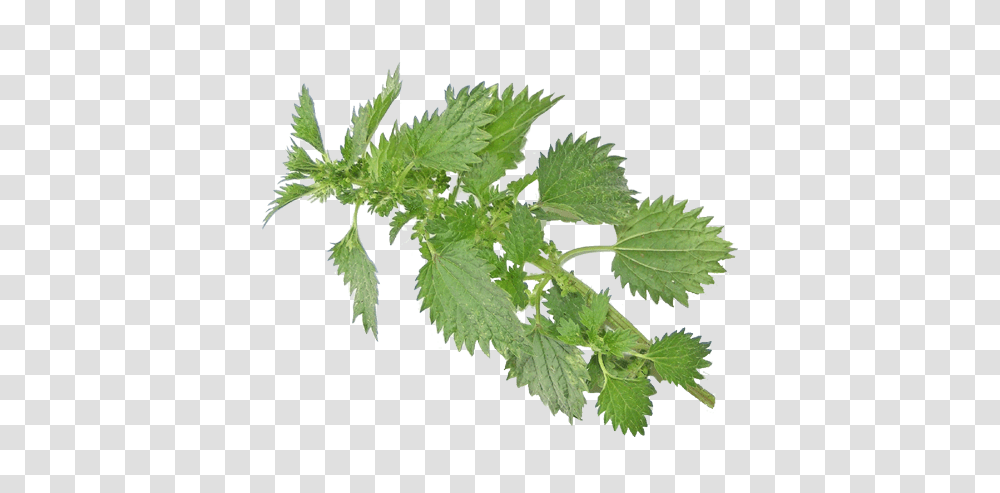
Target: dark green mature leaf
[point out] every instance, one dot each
(525, 237)
(304, 121)
(554, 371)
(449, 141)
(514, 116)
(579, 181)
(463, 300)
(626, 403)
(359, 272)
(678, 357)
(365, 121)
(668, 253)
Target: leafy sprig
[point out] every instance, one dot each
(472, 292)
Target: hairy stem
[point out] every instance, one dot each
(570, 283)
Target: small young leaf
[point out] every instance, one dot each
(304, 122)
(617, 342)
(512, 281)
(569, 332)
(288, 194)
(415, 207)
(366, 120)
(678, 357)
(593, 316)
(359, 272)
(666, 252)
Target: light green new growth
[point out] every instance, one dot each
(472, 292)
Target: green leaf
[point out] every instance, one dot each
(626, 403)
(514, 116)
(554, 371)
(617, 342)
(477, 179)
(517, 186)
(525, 237)
(365, 122)
(579, 181)
(286, 195)
(304, 121)
(595, 373)
(463, 301)
(564, 305)
(668, 253)
(678, 357)
(359, 272)
(449, 141)
(299, 161)
(569, 332)
(459, 222)
(593, 316)
(512, 281)
(415, 208)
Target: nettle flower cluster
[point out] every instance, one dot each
(473, 293)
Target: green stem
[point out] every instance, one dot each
(536, 295)
(454, 192)
(570, 283)
(576, 252)
(354, 224)
(535, 277)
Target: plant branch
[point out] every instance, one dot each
(570, 283)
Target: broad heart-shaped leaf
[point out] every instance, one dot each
(579, 181)
(625, 402)
(554, 371)
(304, 121)
(365, 121)
(667, 252)
(514, 116)
(678, 357)
(359, 272)
(449, 141)
(463, 301)
(524, 237)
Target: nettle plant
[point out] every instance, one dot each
(472, 292)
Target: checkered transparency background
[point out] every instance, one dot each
(154, 338)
